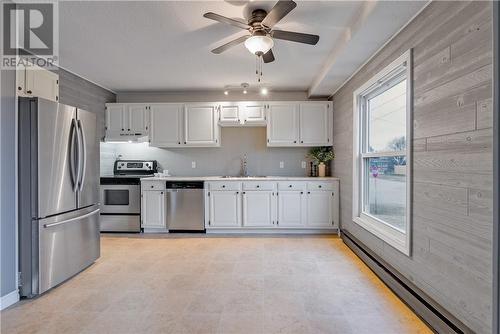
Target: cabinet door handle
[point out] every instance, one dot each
(152, 186)
(258, 186)
(289, 186)
(237, 192)
(223, 186)
(243, 193)
(308, 192)
(301, 192)
(319, 186)
(29, 92)
(295, 142)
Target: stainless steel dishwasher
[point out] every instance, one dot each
(185, 206)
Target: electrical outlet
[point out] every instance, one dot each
(282, 164)
(193, 164)
(303, 164)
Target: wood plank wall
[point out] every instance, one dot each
(81, 93)
(452, 194)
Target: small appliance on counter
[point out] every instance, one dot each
(121, 195)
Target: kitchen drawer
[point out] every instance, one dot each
(153, 185)
(292, 185)
(258, 185)
(319, 186)
(224, 185)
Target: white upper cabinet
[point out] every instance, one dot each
(138, 119)
(115, 116)
(282, 124)
(259, 208)
(200, 125)
(299, 123)
(315, 123)
(166, 125)
(291, 124)
(230, 114)
(126, 121)
(245, 113)
(254, 113)
(34, 81)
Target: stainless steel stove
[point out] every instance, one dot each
(121, 195)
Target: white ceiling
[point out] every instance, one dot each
(165, 45)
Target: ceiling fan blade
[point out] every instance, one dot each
(268, 57)
(227, 20)
(295, 37)
(229, 45)
(279, 11)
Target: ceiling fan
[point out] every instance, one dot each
(260, 26)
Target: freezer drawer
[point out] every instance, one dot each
(68, 244)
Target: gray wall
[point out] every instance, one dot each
(452, 194)
(224, 160)
(78, 92)
(213, 161)
(8, 183)
(206, 96)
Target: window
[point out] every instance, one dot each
(381, 154)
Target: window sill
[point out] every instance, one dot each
(390, 235)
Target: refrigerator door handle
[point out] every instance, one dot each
(73, 155)
(83, 163)
(78, 154)
(72, 219)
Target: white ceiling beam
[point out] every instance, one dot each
(356, 22)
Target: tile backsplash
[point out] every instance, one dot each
(224, 160)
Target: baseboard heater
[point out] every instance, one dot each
(440, 320)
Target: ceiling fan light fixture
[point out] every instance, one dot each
(259, 44)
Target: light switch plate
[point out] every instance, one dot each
(303, 164)
(282, 164)
(193, 164)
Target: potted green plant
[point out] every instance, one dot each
(321, 155)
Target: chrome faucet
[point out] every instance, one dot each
(244, 169)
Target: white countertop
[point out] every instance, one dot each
(236, 178)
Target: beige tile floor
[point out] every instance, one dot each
(150, 284)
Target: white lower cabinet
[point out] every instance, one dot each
(224, 208)
(259, 208)
(153, 206)
(320, 209)
(291, 209)
(299, 205)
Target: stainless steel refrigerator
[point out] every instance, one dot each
(58, 169)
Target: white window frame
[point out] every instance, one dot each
(401, 240)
